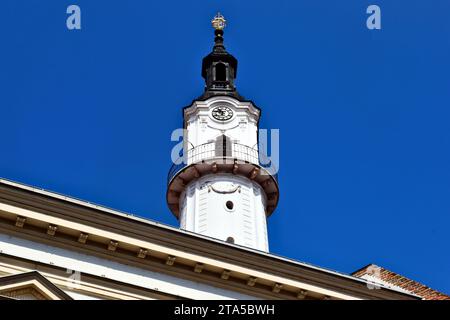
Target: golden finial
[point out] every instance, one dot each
(219, 22)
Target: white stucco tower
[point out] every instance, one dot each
(220, 189)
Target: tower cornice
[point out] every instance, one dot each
(198, 106)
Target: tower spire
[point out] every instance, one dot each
(219, 68)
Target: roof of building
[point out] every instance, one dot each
(220, 249)
(159, 224)
(155, 223)
(395, 280)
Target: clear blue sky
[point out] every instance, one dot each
(363, 115)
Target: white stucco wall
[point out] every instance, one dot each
(203, 210)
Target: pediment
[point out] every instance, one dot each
(30, 286)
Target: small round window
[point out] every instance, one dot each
(230, 205)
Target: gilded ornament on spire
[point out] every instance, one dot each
(219, 22)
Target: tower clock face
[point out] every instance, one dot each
(222, 113)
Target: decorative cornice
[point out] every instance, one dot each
(199, 106)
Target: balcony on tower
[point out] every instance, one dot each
(221, 156)
(220, 151)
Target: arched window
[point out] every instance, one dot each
(230, 240)
(221, 72)
(223, 146)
